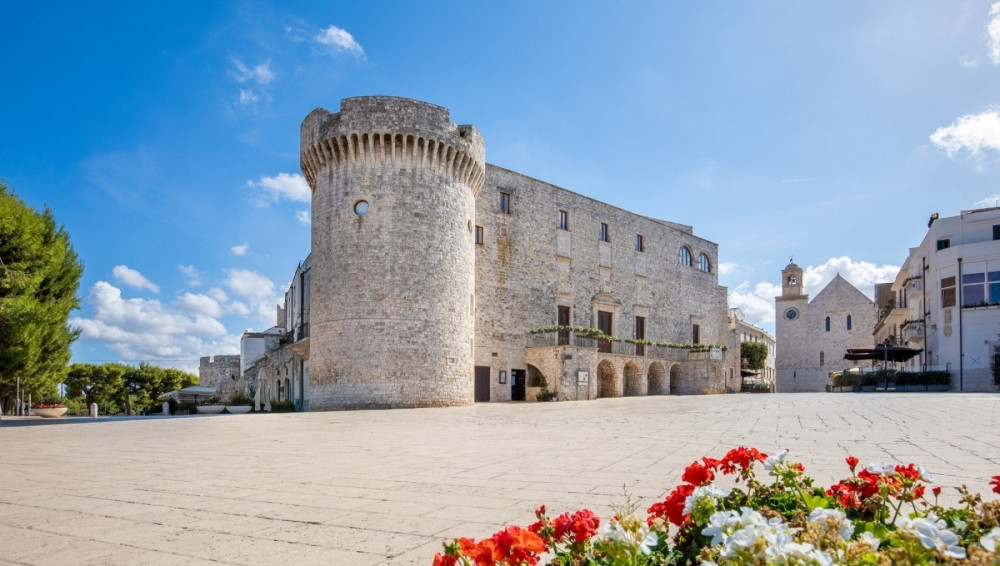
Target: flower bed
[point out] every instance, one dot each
(879, 515)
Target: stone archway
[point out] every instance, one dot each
(608, 383)
(676, 375)
(635, 383)
(657, 380)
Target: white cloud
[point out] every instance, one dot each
(248, 99)
(968, 62)
(988, 202)
(196, 303)
(292, 187)
(727, 267)
(862, 274)
(193, 275)
(993, 31)
(240, 249)
(133, 278)
(303, 217)
(145, 329)
(972, 132)
(340, 40)
(260, 74)
(217, 294)
(757, 302)
(257, 290)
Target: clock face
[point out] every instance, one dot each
(790, 314)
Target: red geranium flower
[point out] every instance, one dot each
(698, 474)
(852, 462)
(995, 482)
(671, 508)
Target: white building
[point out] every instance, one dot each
(747, 332)
(947, 295)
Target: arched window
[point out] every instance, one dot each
(848, 322)
(827, 324)
(685, 256)
(703, 263)
(821, 356)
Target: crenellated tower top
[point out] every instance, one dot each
(399, 132)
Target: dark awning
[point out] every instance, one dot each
(882, 352)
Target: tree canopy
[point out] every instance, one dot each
(119, 388)
(755, 353)
(39, 277)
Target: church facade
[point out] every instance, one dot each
(813, 336)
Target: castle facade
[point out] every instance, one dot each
(437, 279)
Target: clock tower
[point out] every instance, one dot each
(790, 326)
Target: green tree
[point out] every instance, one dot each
(39, 277)
(755, 353)
(120, 388)
(102, 384)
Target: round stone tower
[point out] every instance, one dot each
(394, 185)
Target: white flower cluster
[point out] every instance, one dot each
(836, 517)
(933, 533)
(747, 537)
(642, 540)
(707, 495)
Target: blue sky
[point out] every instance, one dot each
(165, 137)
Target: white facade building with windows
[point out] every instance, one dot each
(948, 292)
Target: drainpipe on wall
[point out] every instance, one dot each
(961, 350)
(923, 308)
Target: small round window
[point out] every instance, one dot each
(361, 207)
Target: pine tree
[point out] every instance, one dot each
(39, 277)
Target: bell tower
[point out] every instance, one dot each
(791, 281)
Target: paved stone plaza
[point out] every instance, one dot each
(386, 487)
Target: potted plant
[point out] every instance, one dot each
(239, 403)
(49, 408)
(211, 407)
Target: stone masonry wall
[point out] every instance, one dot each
(391, 320)
(527, 267)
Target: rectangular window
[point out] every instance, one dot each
(947, 292)
(993, 282)
(695, 334)
(479, 235)
(505, 203)
(605, 326)
(640, 334)
(563, 220)
(996, 231)
(640, 245)
(604, 233)
(943, 243)
(973, 290)
(563, 320)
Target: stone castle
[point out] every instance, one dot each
(431, 272)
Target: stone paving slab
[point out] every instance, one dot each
(386, 487)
